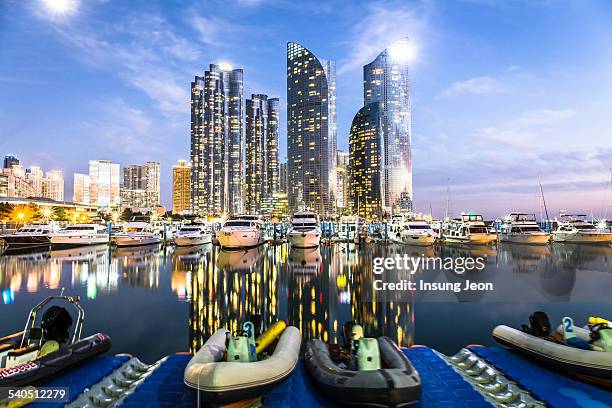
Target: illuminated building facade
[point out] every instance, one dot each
(311, 130)
(10, 161)
(53, 185)
(181, 188)
(343, 184)
(80, 192)
(34, 175)
(386, 82)
(283, 178)
(141, 185)
(104, 183)
(365, 148)
(261, 153)
(216, 141)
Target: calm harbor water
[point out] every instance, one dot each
(156, 300)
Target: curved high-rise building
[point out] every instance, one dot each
(311, 130)
(386, 81)
(365, 159)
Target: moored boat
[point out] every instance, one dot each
(577, 230)
(304, 231)
(376, 373)
(243, 231)
(227, 370)
(193, 235)
(39, 352)
(79, 235)
(579, 351)
(411, 231)
(29, 236)
(469, 229)
(136, 233)
(522, 228)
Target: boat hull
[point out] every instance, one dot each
(398, 385)
(17, 242)
(59, 241)
(128, 240)
(29, 372)
(192, 240)
(472, 239)
(594, 365)
(531, 239)
(583, 238)
(221, 382)
(309, 239)
(239, 239)
(416, 239)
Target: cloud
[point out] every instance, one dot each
(483, 85)
(220, 32)
(382, 25)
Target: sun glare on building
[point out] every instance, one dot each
(225, 66)
(403, 50)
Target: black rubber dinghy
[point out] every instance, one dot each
(397, 384)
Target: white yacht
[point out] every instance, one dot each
(194, 234)
(78, 235)
(469, 229)
(411, 231)
(304, 231)
(244, 231)
(522, 228)
(136, 233)
(576, 229)
(348, 228)
(29, 236)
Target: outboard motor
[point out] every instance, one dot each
(539, 325)
(347, 333)
(56, 323)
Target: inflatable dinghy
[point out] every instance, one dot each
(572, 349)
(234, 368)
(39, 352)
(376, 372)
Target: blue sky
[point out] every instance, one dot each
(502, 90)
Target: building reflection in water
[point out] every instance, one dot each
(139, 265)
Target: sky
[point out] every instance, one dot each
(502, 91)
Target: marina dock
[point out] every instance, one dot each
(122, 380)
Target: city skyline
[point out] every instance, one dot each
(480, 111)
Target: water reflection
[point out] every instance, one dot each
(316, 290)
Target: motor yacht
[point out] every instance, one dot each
(411, 232)
(576, 229)
(522, 228)
(193, 235)
(78, 235)
(304, 231)
(469, 229)
(136, 233)
(244, 231)
(29, 236)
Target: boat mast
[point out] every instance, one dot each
(543, 199)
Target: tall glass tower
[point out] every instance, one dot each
(311, 130)
(386, 81)
(365, 159)
(216, 141)
(261, 153)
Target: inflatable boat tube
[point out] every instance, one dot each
(397, 384)
(31, 371)
(221, 382)
(594, 365)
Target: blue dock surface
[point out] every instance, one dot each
(556, 390)
(82, 377)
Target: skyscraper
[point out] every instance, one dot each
(283, 178)
(10, 160)
(342, 172)
(104, 184)
(141, 186)
(34, 175)
(216, 141)
(386, 82)
(53, 185)
(80, 193)
(261, 153)
(365, 147)
(181, 188)
(311, 130)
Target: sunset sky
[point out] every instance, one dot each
(501, 91)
